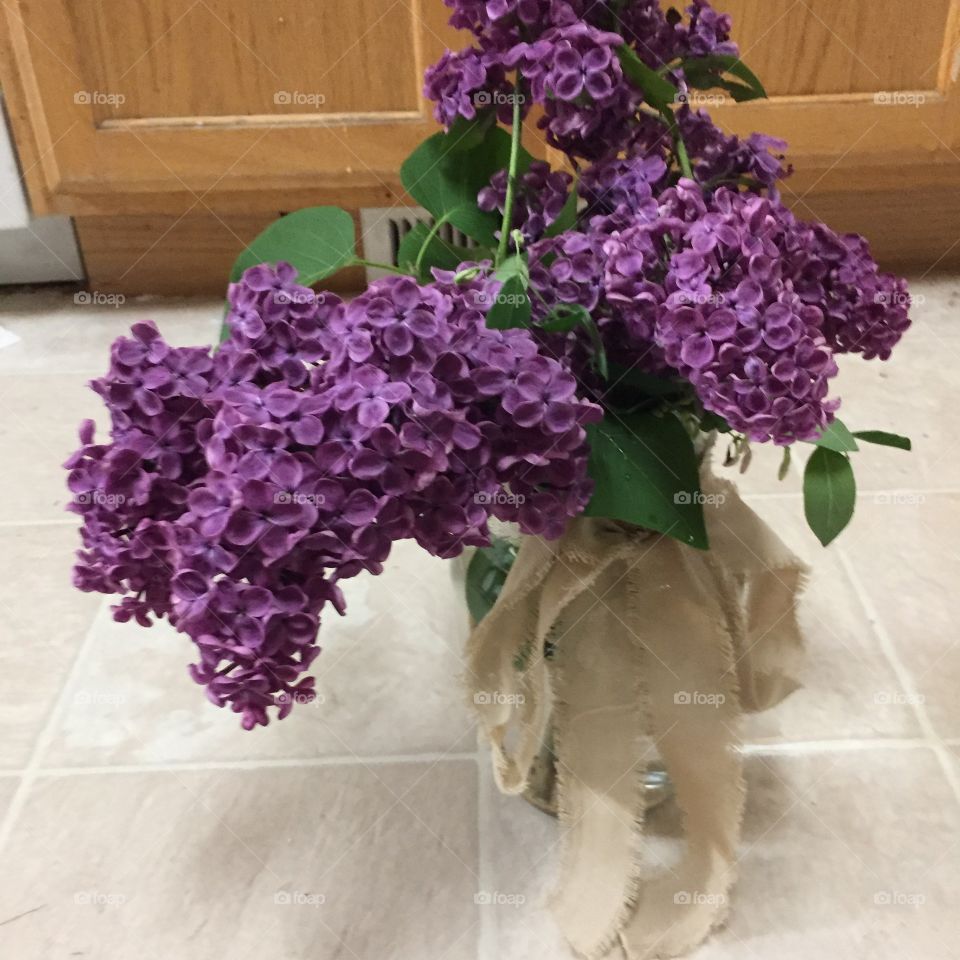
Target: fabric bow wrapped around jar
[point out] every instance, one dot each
(619, 645)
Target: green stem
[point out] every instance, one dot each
(683, 158)
(515, 136)
(679, 147)
(434, 230)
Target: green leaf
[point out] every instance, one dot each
(565, 317)
(511, 308)
(740, 92)
(318, 241)
(446, 180)
(486, 575)
(514, 266)
(658, 92)
(829, 493)
(467, 134)
(439, 253)
(885, 439)
(645, 472)
(837, 437)
(719, 63)
(648, 384)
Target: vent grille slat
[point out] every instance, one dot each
(384, 228)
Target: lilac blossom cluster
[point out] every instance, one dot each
(731, 292)
(693, 271)
(240, 486)
(239, 489)
(564, 53)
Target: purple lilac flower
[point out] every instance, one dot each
(453, 83)
(620, 190)
(718, 157)
(500, 22)
(575, 72)
(750, 306)
(237, 492)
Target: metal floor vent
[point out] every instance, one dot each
(384, 227)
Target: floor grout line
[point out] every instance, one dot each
(889, 649)
(72, 521)
(812, 747)
(861, 494)
(760, 748)
(488, 934)
(44, 738)
(262, 764)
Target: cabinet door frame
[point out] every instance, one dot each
(77, 161)
(78, 164)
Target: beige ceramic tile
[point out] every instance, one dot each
(42, 623)
(849, 688)
(37, 433)
(348, 862)
(8, 786)
(388, 677)
(906, 552)
(844, 855)
(521, 848)
(58, 335)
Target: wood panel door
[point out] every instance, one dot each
(127, 107)
(865, 92)
(230, 108)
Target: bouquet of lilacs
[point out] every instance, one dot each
(602, 318)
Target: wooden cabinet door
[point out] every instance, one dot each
(865, 92)
(171, 105)
(213, 108)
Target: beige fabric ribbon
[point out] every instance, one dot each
(658, 649)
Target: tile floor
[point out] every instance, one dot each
(137, 821)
